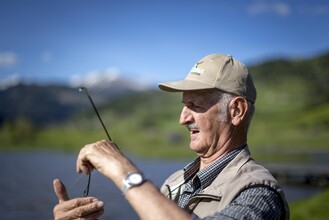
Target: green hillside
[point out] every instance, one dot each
(292, 113)
(292, 109)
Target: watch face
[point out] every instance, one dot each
(135, 178)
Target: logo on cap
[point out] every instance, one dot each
(195, 70)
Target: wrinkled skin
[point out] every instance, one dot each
(78, 208)
(109, 161)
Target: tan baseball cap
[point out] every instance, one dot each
(216, 71)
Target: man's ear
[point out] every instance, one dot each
(238, 108)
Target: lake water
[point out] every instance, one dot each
(26, 190)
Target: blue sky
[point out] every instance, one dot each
(153, 41)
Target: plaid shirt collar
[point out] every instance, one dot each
(203, 178)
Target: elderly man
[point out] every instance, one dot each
(223, 182)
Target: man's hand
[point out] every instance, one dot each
(79, 208)
(105, 157)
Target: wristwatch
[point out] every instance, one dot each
(132, 180)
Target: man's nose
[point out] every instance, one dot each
(185, 116)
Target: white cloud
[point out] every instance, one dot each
(283, 9)
(11, 80)
(107, 79)
(94, 77)
(46, 57)
(265, 7)
(8, 59)
(314, 10)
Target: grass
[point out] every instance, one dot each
(150, 128)
(316, 207)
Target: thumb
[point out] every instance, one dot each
(60, 191)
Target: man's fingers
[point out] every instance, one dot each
(83, 164)
(79, 208)
(60, 191)
(94, 215)
(89, 211)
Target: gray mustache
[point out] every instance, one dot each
(192, 126)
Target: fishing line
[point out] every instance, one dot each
(75, 181)
(85, 90)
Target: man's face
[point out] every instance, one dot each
(201, 115)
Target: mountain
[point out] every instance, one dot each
(299, 83)
(45, 104)
(284, 75)
(109, 83)
(39, 104)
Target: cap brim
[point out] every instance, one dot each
(184, 85)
